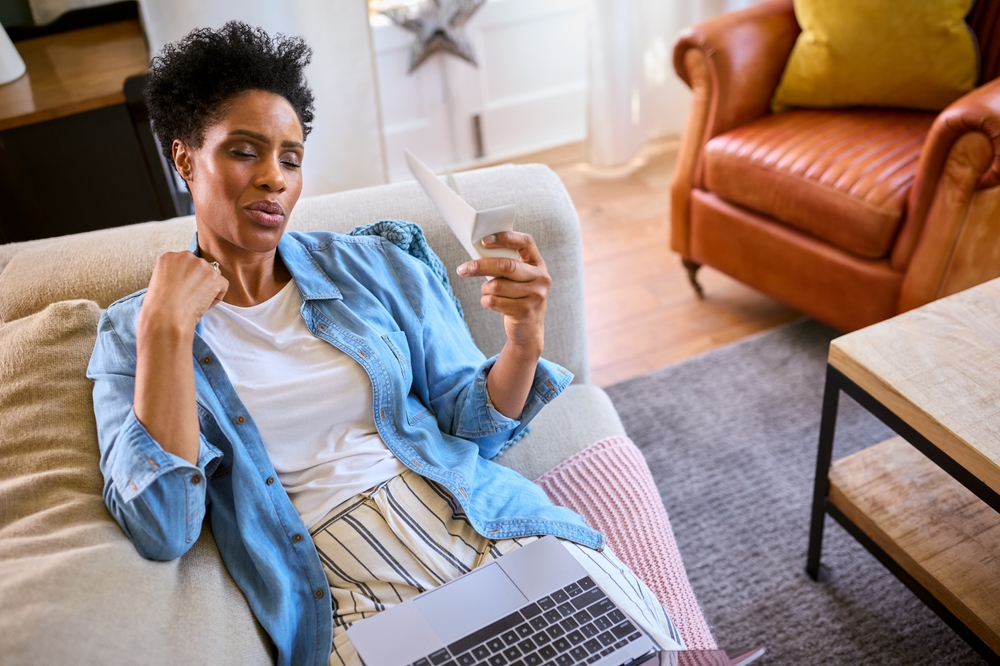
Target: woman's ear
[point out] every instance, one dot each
(182, 160)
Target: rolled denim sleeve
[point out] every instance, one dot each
(491, 430)
(157, 498)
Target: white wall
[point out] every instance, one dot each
(529, 91)
(345, 148)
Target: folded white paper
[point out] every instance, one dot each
(469, 225)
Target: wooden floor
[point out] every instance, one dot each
(641, 311)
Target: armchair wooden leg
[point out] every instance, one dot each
(692, 269)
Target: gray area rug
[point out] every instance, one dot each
(731, 439)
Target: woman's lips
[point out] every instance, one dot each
(267, 213)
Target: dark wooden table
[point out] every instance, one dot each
(72, 154)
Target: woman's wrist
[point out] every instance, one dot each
(509, 380)
(157, 327)
(524, 353)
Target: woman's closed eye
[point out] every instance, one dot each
(288, 162)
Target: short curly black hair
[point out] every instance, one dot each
(192, 80)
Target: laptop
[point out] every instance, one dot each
(532, 607)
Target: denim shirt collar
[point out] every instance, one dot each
(312, 283)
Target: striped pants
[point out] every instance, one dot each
(408, 535)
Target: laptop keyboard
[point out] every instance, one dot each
(575, 625)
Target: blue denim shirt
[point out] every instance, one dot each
(388, 312)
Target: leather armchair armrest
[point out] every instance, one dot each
(732, 63)
(744, 55)
(960, 155)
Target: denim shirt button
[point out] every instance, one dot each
(270, 480)
(196, 479)
(241, 419)
(318, 593)
(296, 538)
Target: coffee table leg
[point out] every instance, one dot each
(827, 426)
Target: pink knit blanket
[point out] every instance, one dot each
(610, 485)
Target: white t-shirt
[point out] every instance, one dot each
(311, 402)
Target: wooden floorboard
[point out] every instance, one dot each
(641, 312)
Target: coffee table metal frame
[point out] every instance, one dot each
(836, 382)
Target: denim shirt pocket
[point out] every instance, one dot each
(397, 344)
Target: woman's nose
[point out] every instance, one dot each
(270, 175)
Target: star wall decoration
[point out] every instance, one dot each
(438, 27)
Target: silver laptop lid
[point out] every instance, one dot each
(460, 613)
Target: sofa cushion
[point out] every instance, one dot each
(841, 176)
(610, 485)
(73, 589)
(100, 266)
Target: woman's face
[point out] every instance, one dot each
(246, 176)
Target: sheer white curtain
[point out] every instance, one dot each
(635, 96)
(345, 149)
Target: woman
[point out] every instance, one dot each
(336, 365)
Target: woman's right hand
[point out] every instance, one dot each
(182, 289)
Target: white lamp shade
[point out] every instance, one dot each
(11, 65)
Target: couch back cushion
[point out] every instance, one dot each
(73, 589)
(106, 265)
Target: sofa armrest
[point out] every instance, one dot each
(610, 485)
(961, 155)
(732, 63)
(580, 416)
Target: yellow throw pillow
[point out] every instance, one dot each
(918, 54)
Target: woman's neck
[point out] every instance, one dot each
(253, 278)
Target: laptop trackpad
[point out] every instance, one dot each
(470, 602)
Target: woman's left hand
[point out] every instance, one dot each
(518, 290)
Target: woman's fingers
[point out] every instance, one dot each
(512, 269)
(523, 270)
(518, 290)
(523, 243)
(182, 288)
(516, 308)
(514, 289)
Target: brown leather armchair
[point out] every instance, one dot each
(848, 215)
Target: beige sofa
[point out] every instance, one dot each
(72, 587)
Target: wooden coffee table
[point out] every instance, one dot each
(925, 503)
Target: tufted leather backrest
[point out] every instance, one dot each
(984, 19)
